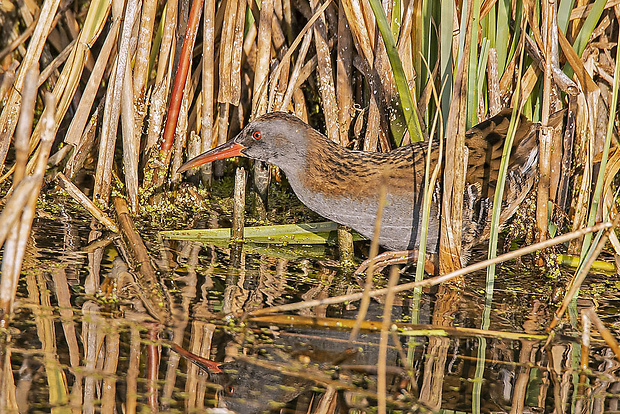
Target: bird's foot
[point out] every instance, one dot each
(390, 258)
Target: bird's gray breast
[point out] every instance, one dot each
(400, 229)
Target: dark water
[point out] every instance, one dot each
(84, 338)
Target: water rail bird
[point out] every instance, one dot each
(344, 185)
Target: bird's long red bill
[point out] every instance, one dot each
(227, 150)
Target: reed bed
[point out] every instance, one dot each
(173, 82)
(128, 91)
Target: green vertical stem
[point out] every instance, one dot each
(497, 201)
(406, 100)
(502, 39)
(472, 89)
(446, 62)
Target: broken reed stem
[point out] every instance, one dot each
(438, 279)
(239, 205)
(82, 199)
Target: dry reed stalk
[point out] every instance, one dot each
(344, 80)
(143, 52)
(208, 85)
(544, 181)
(567, 85)
(355, 17)
(24, 126)
(8, 78)
(495, 99)
(405, 47)
(583, 191)
(131, 140)
(279, 88)
(238, 219)
(325, 75)
(67, 83)
(227, 51)
(168, 45)
(373, 124)
(545, 134)
(263, 58)
(222, 133)
(180, 134)
(8, 117)
(275, 75)
(180, 80)
(528, 81)
(157, 110)
(80, 153)
(455, 165)
(295, 77)
(89, 93)
(103, 173)
(15, 205)
(55, 64)
(299, 104)
(567, 156)
(21, 39)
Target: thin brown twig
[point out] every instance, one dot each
(383, 341)
(374, 249)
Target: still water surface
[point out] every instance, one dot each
(84, 337)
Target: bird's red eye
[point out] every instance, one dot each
(230, 390)
(256, 135)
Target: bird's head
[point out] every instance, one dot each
(277, 138)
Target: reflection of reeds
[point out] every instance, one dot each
(157, 76)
